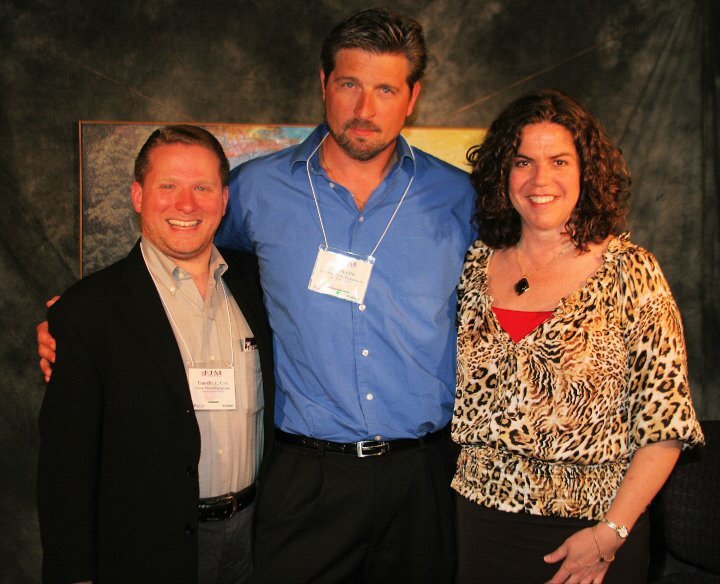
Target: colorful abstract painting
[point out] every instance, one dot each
(108, 224)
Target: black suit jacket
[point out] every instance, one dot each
(120, 445)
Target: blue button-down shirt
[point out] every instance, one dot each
(384, 369)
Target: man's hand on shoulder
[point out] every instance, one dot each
(46, 344)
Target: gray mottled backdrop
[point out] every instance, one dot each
(648, 69)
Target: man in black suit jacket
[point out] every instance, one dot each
(118, 487)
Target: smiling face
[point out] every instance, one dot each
(367, 99)
(544, 180)
(181, 201)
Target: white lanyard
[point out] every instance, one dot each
(317, 205)
(177, 328)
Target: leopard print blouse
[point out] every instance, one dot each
(548, 425)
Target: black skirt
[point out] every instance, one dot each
(500, 547)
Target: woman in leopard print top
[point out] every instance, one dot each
(572, 396)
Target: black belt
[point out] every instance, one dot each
(225, 506)
(359, 449)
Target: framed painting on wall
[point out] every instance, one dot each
(109, 226)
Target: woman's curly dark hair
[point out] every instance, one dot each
(604, 174)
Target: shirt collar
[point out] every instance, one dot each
(167, 273)
(403, 150)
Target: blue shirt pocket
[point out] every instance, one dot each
(427, 263)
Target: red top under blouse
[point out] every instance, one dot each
(520, 323)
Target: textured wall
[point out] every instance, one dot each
(635, 63)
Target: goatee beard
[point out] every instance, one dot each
(351, 149)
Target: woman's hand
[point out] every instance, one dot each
(583, 564)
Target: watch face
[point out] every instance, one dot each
(622, 531)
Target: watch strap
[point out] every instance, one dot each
(620, 530)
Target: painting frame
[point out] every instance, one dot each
(109, 226)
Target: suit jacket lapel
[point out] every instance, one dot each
(143, 309)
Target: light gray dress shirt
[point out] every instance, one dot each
(231, 440)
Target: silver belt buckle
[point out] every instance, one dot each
(367, 448)
(233, 505)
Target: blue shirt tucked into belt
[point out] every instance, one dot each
(346, 372)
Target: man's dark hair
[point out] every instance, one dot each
(604, 175)
(181, 134)
(378, 31)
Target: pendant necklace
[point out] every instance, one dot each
(522, 285)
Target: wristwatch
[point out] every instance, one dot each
(621, 531)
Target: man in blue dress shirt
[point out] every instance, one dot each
(360, 240)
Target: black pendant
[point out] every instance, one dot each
(521, 286)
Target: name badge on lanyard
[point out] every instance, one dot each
(212, 388)
(341, 274)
